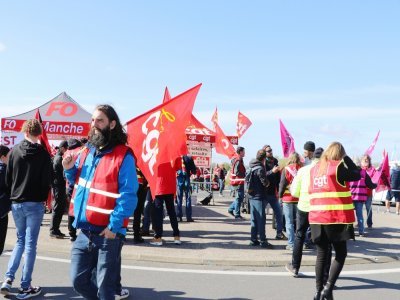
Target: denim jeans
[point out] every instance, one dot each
(179, 199)
(358, 205)
(27, 217)
(96, 265)
(221, 186)
(368, 207)
(237, 203)
(290, 210)
(257, 212)
(274, 203)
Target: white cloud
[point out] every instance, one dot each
(2, 47)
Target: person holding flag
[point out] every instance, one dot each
(367, 166)
(238, 173)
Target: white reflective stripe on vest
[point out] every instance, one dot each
(105, 193)
(83, 182)
(99, 210)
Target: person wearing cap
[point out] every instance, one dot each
(59, 191)
(309, 148)
(299, 189)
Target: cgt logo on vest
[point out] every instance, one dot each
(152, 131)
(320, 181)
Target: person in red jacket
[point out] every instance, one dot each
(165, 192)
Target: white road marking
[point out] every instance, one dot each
(216, 272)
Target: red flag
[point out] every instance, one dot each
(214, 118)
(43, 138)
(167, 96)
(158, 136)
(222, 144)
(382, 176)
(372, 147)
(243, 123)
(286, 140)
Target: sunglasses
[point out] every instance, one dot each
(269, 151)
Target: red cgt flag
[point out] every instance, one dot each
(158, 136)
(243, 123)
(43, 138)
(222, 144)
(214, 118)
(167, 96)
(286, 140)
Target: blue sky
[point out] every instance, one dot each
(330, 71)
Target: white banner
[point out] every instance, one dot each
(199, 149)
(10, 139)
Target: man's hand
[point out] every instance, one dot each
(108, 234)
(68, 162)
(275, 169)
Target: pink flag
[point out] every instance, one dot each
(243, 123)
(372, 147)
(382, 176)
(286, 140)
(167, 96)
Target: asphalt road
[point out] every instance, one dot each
(147, 280)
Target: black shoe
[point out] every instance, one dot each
(308, 247)
(326, 293)
(180, 219)
(280, 236)
(317, 295)
(138, 240)
(57, 235)
(144, 232)
(254, 243)
(231, 213)
(72, 238)
(239, 218)
(292, 270)
(266, 245)
(189, 220)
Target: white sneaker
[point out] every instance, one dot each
(156, 242)
(6, 287)
(177, 240)
(123, 295)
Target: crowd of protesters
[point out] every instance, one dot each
(314, 197)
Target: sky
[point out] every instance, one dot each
(328, 70)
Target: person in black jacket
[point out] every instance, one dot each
(59, 191)
(5, 203)
(258, 194)
(28, 177)
(274, 177)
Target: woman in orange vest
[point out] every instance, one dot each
(331, 212)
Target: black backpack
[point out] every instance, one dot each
(248, 180)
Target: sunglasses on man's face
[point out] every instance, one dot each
(269, 151)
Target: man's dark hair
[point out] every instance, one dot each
(239, 149)
(118, 134)
(261, 154)
(4, 150)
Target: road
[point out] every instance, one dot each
(147, 280)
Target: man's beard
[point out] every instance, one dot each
(99, 137)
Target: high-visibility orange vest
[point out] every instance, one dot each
(103, 187)
(330, 201)
(290, 173)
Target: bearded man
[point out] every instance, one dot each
(103, 199)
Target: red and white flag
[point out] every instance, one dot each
(167, 96)
(286, 140)
(243, 123)
(214, 118)
(372, 147)
(44, 141)
(158, 136)
(382, 176)
(222, 144)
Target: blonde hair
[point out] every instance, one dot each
(294, 158)
(335, 151)
(32, 127)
